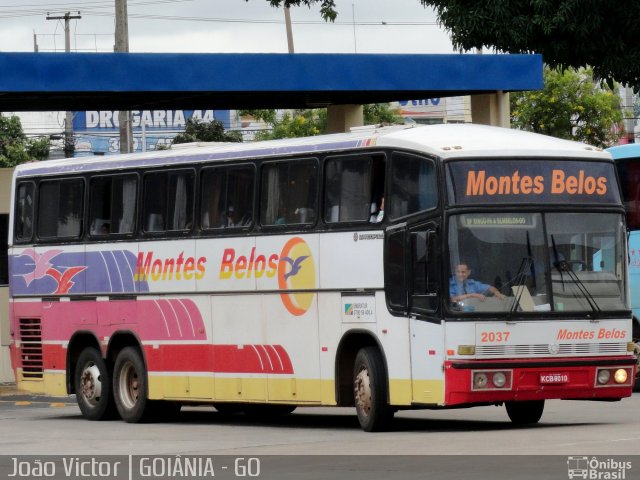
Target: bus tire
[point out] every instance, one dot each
(93, 386)
(370, 391)
(525, 413)
(130, 387)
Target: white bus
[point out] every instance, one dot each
(387, 269)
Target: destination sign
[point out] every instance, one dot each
(531, 181)
(497, 220)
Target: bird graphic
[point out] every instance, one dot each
(295, 265)
(64, 278)
(41, 265)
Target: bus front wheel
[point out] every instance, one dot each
(525, 413)
(130, 386)
(93, 386)
(370, 391)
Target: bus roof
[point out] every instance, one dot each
(445, 141)
(630, 150)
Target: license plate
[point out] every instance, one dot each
(554, 378)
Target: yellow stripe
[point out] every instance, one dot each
(50, 384)
(400, 392)
(287, 390)
(428, 391)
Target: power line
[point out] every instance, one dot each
(268, 21)
(96, 8)
(84, 5)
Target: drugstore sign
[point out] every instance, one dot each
(158, 120)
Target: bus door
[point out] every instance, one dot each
(412, 284)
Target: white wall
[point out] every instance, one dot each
(6, 374)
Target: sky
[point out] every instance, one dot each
(224, 26)
(216, 26)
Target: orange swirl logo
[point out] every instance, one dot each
(296, 271)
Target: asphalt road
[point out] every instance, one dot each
(480, 438)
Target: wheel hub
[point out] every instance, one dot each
(129, 385)
(90, 384)
(363, 391)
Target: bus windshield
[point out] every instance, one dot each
(537, 262)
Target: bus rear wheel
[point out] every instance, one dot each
(370, 391)
(525, 413)
(93, 386)
(130, 386)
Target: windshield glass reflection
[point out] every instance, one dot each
(505, 263)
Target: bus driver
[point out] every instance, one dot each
(462, 287)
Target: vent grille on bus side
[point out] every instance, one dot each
(31, 348)
(543, 349)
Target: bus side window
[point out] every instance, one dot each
(60, 208)
(413, 186)
(395, 281)
(354, 188)
(240, 196)
(4, 258)
(630, 180)
(227, 197)
(112, 205)
(425, 270)
(24, 211)
(289, 191)
(168, 201)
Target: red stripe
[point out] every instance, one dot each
(215, 359)
(191, 358)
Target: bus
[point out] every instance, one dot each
(262, 277)
(627, 159)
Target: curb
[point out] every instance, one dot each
(9, 389)
(10, 393)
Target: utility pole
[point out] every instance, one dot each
(69, 146)
(287, 20)
(122, 45)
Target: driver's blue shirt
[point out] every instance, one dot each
(470, 286)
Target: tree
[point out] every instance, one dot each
(199, 131)
(310, 122)
(375, 113)
(298, 123)
(327, 7)
(572, 106)
(602, 34)
(15, 147)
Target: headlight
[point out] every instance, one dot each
(499, 379)
(620, 376)
(480, 380)
(603, 377)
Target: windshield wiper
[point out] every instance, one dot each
(519, 280)
(563, 265)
